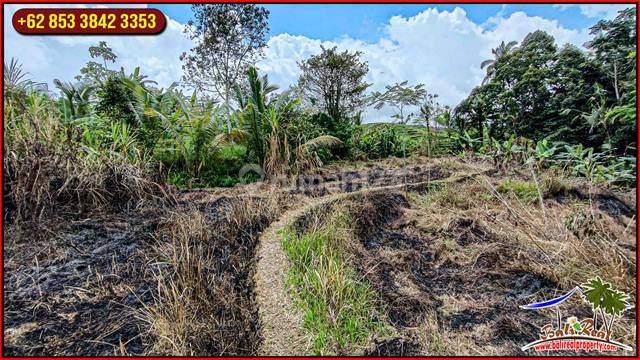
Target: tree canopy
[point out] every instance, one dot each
(229, 38)
(335, 81)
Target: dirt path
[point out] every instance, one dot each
(281, 323)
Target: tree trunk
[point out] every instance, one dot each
(615, 79)
(606, 325)
(610, 327)
(428, 140)
(226, 103)
(404, 158)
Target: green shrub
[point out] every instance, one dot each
(381, 141)
(115, 101)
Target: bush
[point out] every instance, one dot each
(343, 129)
(380, 141)
(114, 102)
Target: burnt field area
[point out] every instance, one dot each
(236, 187)
(444, 263)
(171, 279)
(450, 263)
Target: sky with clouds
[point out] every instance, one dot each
(438, 45)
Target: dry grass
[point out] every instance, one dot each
(49, 171)
(453, 262)
(567, 239)
(203, 267)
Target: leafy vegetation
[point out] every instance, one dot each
(539, 106)
(538, 91)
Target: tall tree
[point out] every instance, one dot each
(102, 50)
(502, 50)
(400, 96)
(335, 80)
(229, 38)
(95, 72)
(614, 40)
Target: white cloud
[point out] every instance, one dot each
(50, 57)
(442, 49)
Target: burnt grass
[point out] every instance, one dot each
(407, 267)
(76, 290)
(78, 285)
(323, 182)
(80, 290)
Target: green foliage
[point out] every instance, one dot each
(468, 140)
(602, 296)
(191, 146)
(115, 102)
(64, 165)
(524, 190)
(253, 115)
(502, 50)
(543, 152)
(399, 96)
(555, 107)
(335, 81)
(381, 141)
(74, 102)
(267, 136)
(228, 38)
(539, 92)
(344, 129)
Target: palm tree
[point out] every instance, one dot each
(502, 50)
(609, 301)
(17, 84)
(14, 79)
(75, 99)
(255, 110)
(260, 122)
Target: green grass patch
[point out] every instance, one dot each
(524, 190)
(340, 309)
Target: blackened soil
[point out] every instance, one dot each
(395, 347)
(81, 291)
(416, 279)
(325, 182)
(78, 295)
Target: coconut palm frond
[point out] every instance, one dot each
(321, 142)
(486, 63)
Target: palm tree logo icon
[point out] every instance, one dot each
(607, 303)
(606, 300)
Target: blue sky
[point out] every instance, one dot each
(367, 21)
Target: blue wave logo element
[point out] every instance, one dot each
(553, 302)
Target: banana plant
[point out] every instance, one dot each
(466, 141)
(584, 162)
(75, 101)
(542, 153)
